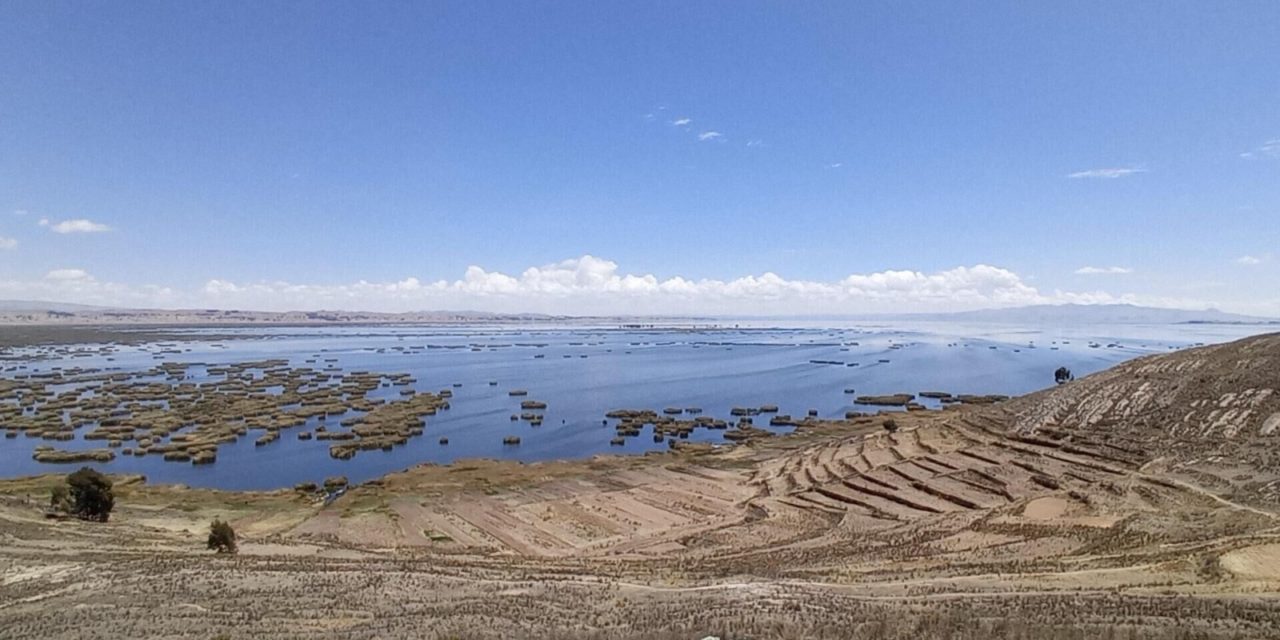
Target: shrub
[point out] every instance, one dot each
(222, 538)
(60, 499)
(890, 425)
(91, 496)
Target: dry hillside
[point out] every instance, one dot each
(1136, 503)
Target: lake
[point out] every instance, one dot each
(582, 372)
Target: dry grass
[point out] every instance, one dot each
(1081, 520)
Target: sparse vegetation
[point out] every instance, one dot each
(90, 495)
(222, 538)
(1037, 517)
(60, 499)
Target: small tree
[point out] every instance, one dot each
(891, 425)
(91, 496)
(1063, 375)
(222, 538)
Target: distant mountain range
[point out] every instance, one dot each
(1050, 314)
(13, 312)
(1101, 314)
(42, 306)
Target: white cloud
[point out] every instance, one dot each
(20, 212)
(590, 285)
(755, 143)
(8, 243)
(78, 285)
(709, 135)
(1117, 172)
(68, 274)
(835, 165)
(79, 225)
(1250, 261)
(44, 222)
(681, 122)
(1267, 150)
(1102, 271)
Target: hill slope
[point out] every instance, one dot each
(1206, 395)
(1211, 414)
(1138, 503)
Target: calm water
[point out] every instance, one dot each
(583, 372)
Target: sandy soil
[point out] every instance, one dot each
(1008, 521)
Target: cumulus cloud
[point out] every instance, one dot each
(78, 225)
(8, 243)
(1250, 261)
(681, 122)
(596, 285)
(706, 136)
(1103, 271)
(1116, 172)
(78, 285)
(592, 285)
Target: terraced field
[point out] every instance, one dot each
(1137, 503)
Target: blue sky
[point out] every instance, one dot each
(707, 157)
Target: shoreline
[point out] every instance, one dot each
(125, 441)
(700, 451)
(1030, 510)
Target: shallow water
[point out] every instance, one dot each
(584, 372)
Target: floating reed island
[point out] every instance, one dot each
(46, 453)
(892, 400)
(183, 412)
(667, 424)
(631, 422)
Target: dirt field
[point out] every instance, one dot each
(1137, 503)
